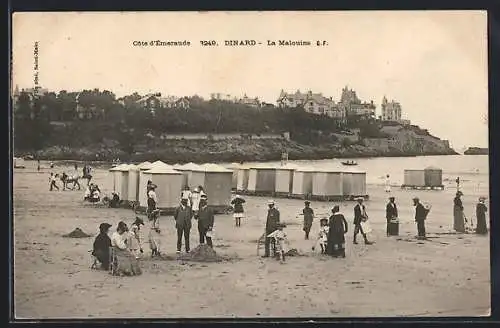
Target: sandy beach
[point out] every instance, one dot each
(447, 275)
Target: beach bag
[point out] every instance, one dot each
(366, 226)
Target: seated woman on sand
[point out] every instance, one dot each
(123, 262)
(102, 243)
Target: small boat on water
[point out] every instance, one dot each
(349, 163)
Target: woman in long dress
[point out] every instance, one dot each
(481, 210)
(123, 261)
(458, 213)
(336, 233)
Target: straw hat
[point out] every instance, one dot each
(138, 221)
(359, 198)
(270, 202)
(415, 198)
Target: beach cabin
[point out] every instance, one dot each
(119, 177)
(234, 167)
(242, 174)
(414, 178)
(217, 184)
(284, 179)
(19, 163)
(433, 177)
(262, 179)
(302, 182)
(187, 171)
(168, 182)
(353, 182)
(133, 183)
(327, 184)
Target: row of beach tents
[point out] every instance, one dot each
(129, 181)
(334, 181)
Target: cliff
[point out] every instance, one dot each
(476, 151)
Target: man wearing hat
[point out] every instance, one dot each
(420, 216)
(360, 216)
(273, 219)
(391, 213)
(102, 243)
(182, 216)
(308, 218)
(205, 221)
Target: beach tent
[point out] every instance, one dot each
(119, 176)
(262, 178)
(216, 181)
(242, 177)
(414, 178)
(133, 183)
(187, 171)
(234, 167)
(168, 182)
(284, 178)
(19, 163)
(303, 181)
(433, 176)
(353, 182)
(328, 182)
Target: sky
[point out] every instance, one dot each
(433, 62)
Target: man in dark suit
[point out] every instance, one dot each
(391, 212)
(273, 219)
(182, 216)
(205, 221)
(360, 216)
(420, 216)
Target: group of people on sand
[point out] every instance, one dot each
(460, 221)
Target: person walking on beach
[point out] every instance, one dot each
(38, 166)
(420, 217)
(52, 181)
(205, 221)
(387, 183)
(391, 213)
(237, 203)
(335, 245)
(481, 210)
(359, 217)
(272, 222)
(182, 216)
(458, 213)
(308, 218)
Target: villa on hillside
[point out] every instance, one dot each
(391, 112)
(352, 106)
(314, 103)
(155, 101)
(252, 102)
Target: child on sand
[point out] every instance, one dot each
(323, 235)
(280, 240)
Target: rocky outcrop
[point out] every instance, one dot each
(476, 151)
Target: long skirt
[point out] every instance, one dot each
(336, 244)
(307, 225)
(124, 263)
(458, 219)
(481, 228)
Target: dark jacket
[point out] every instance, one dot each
(102, 243)
(273, 218)
(183, 217)
(358, 213)
(238, 204)
(205, 218)
(420, 212)
(391, 211)
(458, 202)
